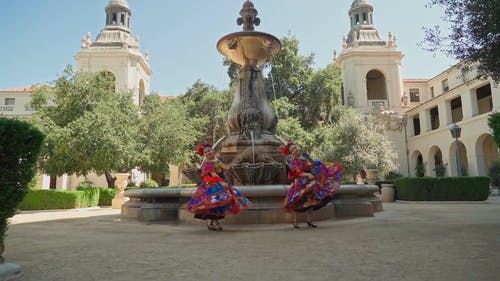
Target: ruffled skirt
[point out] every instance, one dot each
(305, 194)
(214, 201)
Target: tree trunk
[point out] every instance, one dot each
(53, 182)
(158, 177)
(110, 179)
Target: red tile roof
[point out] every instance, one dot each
(23, 89)
(415, 80)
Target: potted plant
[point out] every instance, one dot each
(371, 175)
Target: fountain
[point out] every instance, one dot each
(251, 147)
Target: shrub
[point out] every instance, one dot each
(85, 184)
(50, 199)
(494, 173)
(440, 170)
(149, 183)
(393, 175)
(442, 189)
(420, 169)
(20, 145)
(89, 197)
(60, 199)
(106, 196)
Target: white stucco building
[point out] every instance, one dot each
(15, 103)
(419, 112)
(116, 50)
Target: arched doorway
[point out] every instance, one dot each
(463, 159)
(376, 89)
(486, 152)
(436, 164)
(417, 164)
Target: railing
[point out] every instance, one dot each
(378, 104)
(6, 108)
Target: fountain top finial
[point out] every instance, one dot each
(248, 17)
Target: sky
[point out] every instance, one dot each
(39, 38)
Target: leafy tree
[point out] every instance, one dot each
(89, 127)
(289, 128)
(357, 140)
(313, 92)
(168, 135)
(494, 124)
(209, 106)
(323, 93)
(291, 72)
(474, 34)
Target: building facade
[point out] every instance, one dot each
(419, 112)
(15, 103)
(116, 51)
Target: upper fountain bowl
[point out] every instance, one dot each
(249, 48)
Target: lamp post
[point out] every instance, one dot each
(455, 131)
(404, 122)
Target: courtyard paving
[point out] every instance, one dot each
(406, 241)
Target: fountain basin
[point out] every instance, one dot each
(166, 204)
(249, 48)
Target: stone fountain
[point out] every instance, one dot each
(251, 147)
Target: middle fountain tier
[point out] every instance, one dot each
(251, 146)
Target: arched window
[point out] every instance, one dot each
(376, 88)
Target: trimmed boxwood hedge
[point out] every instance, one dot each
(20, 145)
(106, 196)
(442, 188)
(59, 199)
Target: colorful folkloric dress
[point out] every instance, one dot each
(305, 193)
(212, 200)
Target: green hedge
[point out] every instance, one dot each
(442, 188)
(59, 199)
(106, 196)
(20, 145)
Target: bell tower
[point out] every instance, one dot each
(116, 51)
(371, 65)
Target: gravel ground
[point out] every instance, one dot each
(406, 241)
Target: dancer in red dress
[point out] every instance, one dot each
(214, 197)
(314, 184)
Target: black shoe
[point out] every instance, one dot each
(218, 228)
(211, 227)
(310, 224)
(295, 225)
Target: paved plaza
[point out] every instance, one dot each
(407, 241)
